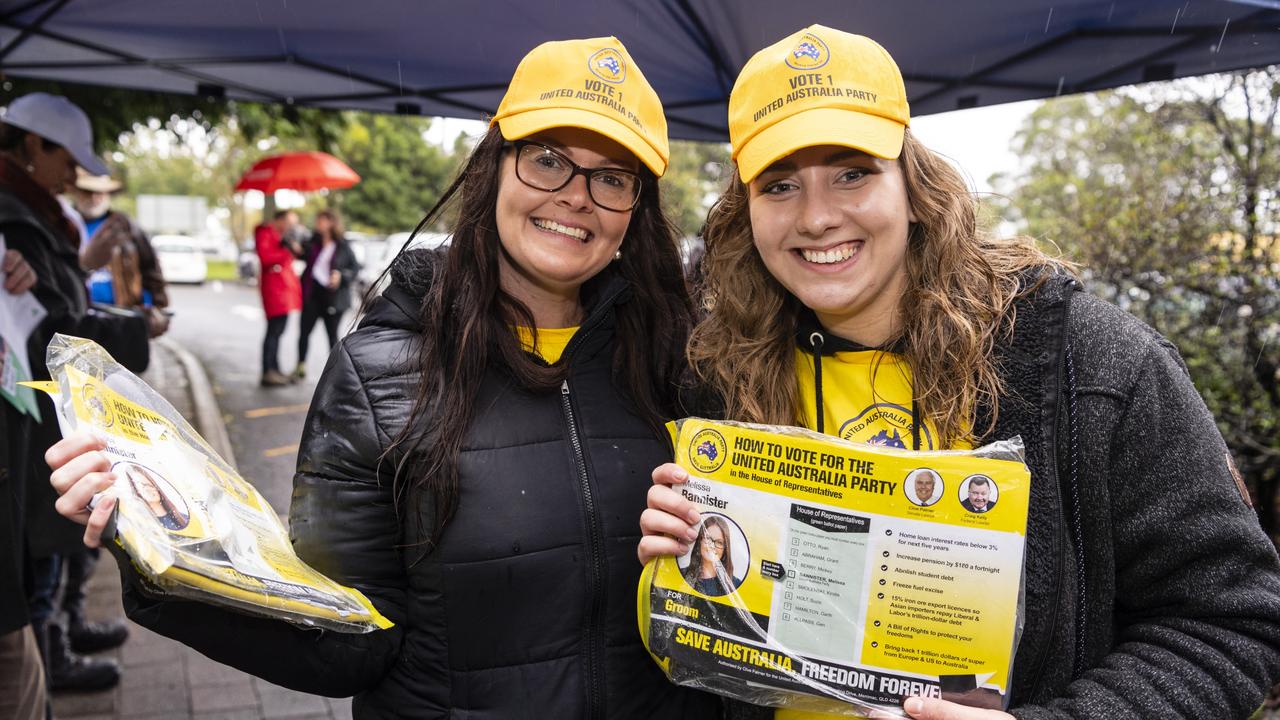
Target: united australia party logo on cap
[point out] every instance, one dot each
(810, 53)
(608, 65)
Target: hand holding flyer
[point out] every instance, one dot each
(838, 577)
(191, 526)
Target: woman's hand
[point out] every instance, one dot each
(935, 709)
(668, 526)
(18, 275)
(80, 471)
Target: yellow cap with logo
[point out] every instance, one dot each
(591, 84)
(819, 86)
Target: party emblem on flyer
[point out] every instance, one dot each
(92, 400)
(707, 450)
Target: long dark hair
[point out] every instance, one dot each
(694, 571)
(467, 321)
(170, 509)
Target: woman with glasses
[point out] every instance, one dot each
(479, 448)
(711, 552)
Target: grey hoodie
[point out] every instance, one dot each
(1151, 590)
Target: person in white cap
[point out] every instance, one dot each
(43, 138)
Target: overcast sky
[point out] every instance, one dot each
(978, 140)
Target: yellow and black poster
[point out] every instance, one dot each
(191, 525)
(841, 577)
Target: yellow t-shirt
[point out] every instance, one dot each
(551, 342)
(866, 397)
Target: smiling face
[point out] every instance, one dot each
(553, 242)
(978, 495)
(831, 225)
(924, 487)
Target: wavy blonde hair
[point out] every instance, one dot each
(961, 285)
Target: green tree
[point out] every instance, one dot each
(1169, 198)
(696, 174)
(275, 128)
(402, 174)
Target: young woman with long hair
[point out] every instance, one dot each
(712, 550)
(145, 486)
(326, 284)
(851, 290)
(477, 451)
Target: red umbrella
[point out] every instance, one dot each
(302, 171)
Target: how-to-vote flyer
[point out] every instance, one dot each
(841, 577)
(190, 525)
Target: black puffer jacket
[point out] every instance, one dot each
(526, 607)
(60, 290)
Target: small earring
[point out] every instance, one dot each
(617, 255)
(31, 169)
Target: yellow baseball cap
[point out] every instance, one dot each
(591, 84)
(819, 86)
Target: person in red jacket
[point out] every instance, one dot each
(281, 290)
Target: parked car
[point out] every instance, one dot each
(182, 259)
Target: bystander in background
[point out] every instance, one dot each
(326, 284)
(124, 270)
(43, 139)
(281, 291)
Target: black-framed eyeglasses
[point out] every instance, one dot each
(717, 544)
(546, 169)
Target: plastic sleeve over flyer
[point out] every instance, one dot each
(192, 527)
(839, 577)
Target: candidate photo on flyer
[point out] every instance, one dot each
(978, 494)
(720, 543)
(923, 487)
(166, 505)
